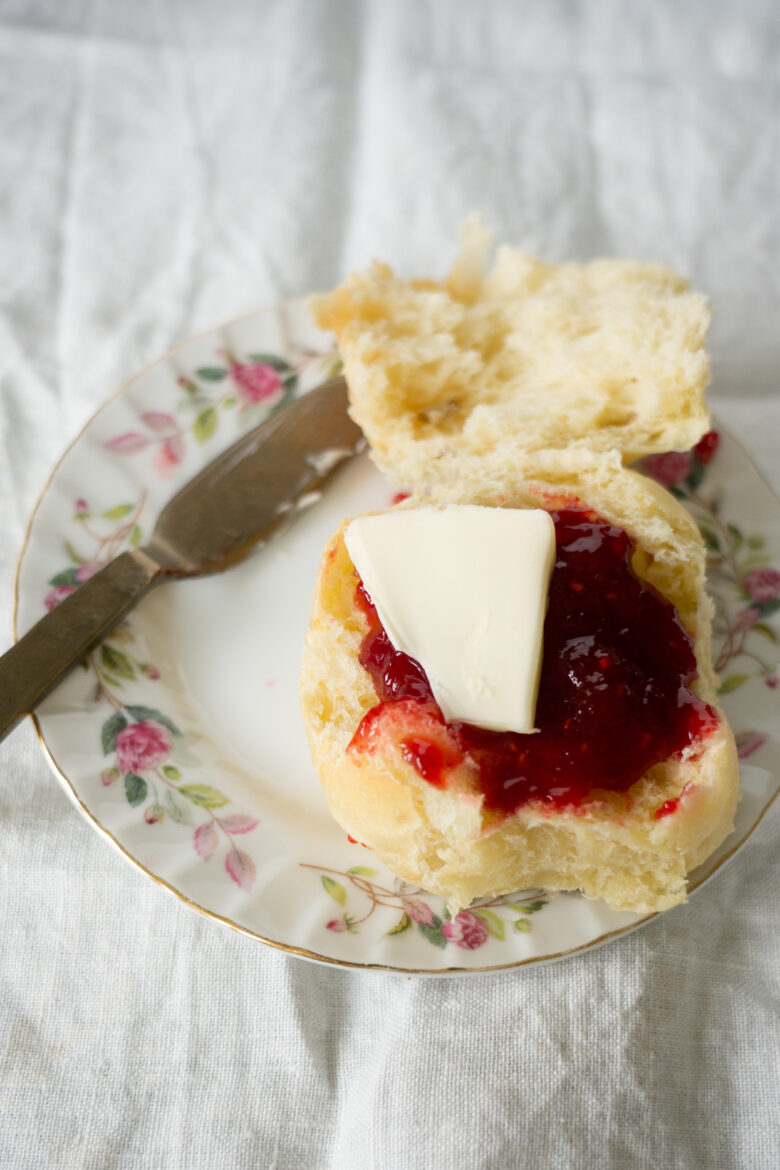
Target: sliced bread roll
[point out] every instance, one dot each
(529, 385)
(633, 848)
(608, 355)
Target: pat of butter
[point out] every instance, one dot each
(463, 590)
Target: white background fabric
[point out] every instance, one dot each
(167, 164)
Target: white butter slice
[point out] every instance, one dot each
(463, 590)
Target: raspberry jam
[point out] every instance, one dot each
(614, 695)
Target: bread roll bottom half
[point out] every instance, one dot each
(613, 846)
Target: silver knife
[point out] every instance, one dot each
(236, 502)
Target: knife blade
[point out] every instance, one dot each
(237, 501)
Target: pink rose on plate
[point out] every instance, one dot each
(747, 617)
(56, 595)
(670, 468)
(418, 910)
(763, 584)
(87, 570)
(257, 382)
(772, 681)
(336, 925)
(143, 745)
(466, 930)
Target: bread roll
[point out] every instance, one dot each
(608, 355)
(532, 385)
(614, 846)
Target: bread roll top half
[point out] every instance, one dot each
(520, 357)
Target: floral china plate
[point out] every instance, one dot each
(180, 738)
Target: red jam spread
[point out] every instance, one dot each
(614, 695)
(667, 808)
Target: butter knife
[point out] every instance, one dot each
(235, 503)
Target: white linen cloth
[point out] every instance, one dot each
(167, 165)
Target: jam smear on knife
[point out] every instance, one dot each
(614, 695)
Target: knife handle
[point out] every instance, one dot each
(61, 639)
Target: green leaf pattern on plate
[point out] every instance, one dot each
(468, 930)
(740, 577)
(254, 385)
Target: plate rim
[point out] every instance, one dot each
(289, 948)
